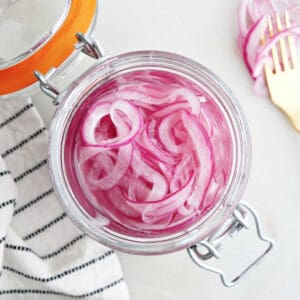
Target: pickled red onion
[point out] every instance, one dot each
(114, 172)
(153, 153)
(99, 111)
(253, 24)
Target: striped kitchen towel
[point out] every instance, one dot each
(43, 255)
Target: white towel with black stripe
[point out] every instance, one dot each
(43, 255)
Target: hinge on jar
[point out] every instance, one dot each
(47, 87)
(89, 46)
(212, 245)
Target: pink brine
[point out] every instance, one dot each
(149, 153)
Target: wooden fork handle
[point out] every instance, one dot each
(293, 114)
(295, 119)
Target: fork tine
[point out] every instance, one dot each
(274, 48)
(285, 60)
(291, 42)
(267, 68)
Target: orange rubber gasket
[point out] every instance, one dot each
(54, 53)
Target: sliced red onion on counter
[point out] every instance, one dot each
(253, 24)
(152, 152)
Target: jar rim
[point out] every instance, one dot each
(39, 43)
(104, 71)
(80, 16)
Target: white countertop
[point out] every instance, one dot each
(206, 31)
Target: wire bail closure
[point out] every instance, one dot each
(87, 45)
(212, 245)
(48, 88)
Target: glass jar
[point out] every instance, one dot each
(51, 60)
(229, 215)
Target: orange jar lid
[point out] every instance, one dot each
(54, 52)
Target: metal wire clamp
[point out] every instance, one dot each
(212, 245)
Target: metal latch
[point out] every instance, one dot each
(212, 245)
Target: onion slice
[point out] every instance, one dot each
(99, 111)
(253, 25)
(114, 172)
